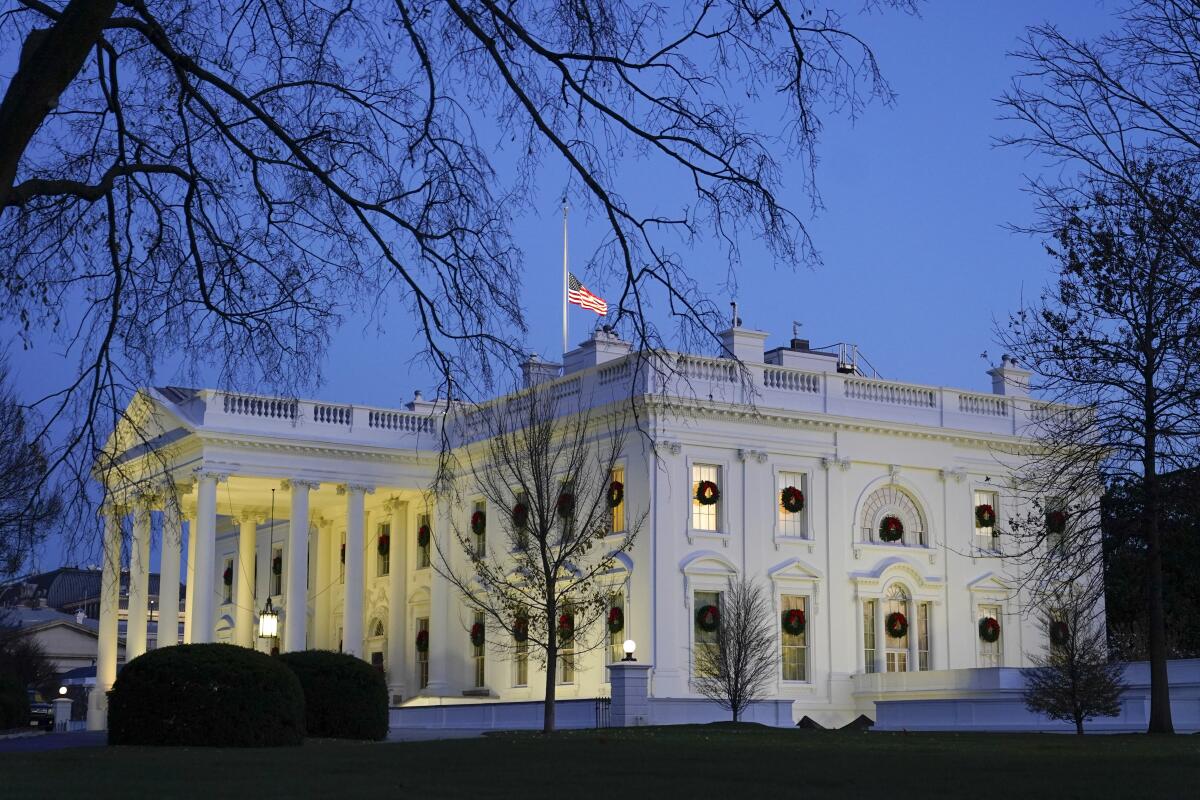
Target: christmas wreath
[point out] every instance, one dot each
(616, 620)
(477, 634)
(227, 576)
(422, 641)
(384, 544)
(896, 625)
(707, 493)
(277, 563)
(616, 493)
(566, 627)
(478, 523)
(793, 622)
(989, 629)
(985, 516)
(708, 618)
(520, 629)
(520, 516)
(1056, 521)
(1060, 633)
(565, 505)
(891, 529)
(423, 534)
(792, 500)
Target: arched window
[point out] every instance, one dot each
(896, 647)
(892, 501)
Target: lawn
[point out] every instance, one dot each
(678, 762)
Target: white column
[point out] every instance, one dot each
(168, 574)
(352, 611)
(190, 580)
(295, 577)
(439, 606)
(914, 648)
(204, 576)
(243, 570)
(397, 597)
(323, 589)
(139, 581)
(881, 637)
(110, 605)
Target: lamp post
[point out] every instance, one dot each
(629, 646)
(268, 622)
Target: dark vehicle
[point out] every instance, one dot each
(41, 713)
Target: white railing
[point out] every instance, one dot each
(894, 393)
(791, 380)
(707, 369)
(251, 406)
(988, 405)
(333, 415)
(404, 421)
(614, 373)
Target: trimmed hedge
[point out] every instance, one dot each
(344, 697)
(206, 695)
(14, 703)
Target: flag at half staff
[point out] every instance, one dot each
(578, 294)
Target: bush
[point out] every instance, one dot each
(14, 703)
(206, 695)
(344, 697)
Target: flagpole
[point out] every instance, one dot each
(565, 287)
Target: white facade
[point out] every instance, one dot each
(264, 478)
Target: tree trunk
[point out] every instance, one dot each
(50, 61)
(551, 665)
(1160, 696)
(1079, 725)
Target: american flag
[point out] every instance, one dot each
(578, 294)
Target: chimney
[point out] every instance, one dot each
(1009, 379)
(79, 616)
(603, 346)
(743, 344)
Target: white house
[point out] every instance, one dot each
(287, 499)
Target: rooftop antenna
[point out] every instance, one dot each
(733, 304)
(796, 329)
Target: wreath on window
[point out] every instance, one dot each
(423, 534)
(565, 505)
(227, 576)
(616, 493)
(985, 516)
(1060, 633)
(707, 493)
(385, 544)
(477, 634)
(1056, 521)
(520, 629)
(792, 500)
(616, 620)
(708, 618)
(891, 529)
(520, 516)
(989, 629)
(478, 523)
(896, 625)
(566, 627)
(422, 641)
(277, 562)
(793, 621)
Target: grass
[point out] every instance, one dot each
(715, 761)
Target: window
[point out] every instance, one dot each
(522, 533)
(705, 518)
(566, 651)
(423, 656)
(987, 537)
(521, 663)
(794, 645)
(342, 560)
(896, 647)
(276, 571)
(616, 639)
(704, 639)
(227, 582)
(1056, 512)
(477, 653)
(383, 549)
(923, 613)
(868, 635)
(892, 501)
(423, 550)
(989, 652)
(788, 523)
(480, 538)
(618, 512)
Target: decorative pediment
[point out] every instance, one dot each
(893, 567)
(419, 595)
(707, 562)
(795, 569)
(621, 563)
(990, 582)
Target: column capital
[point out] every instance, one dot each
(255, 515)
(346, 488)
(394, 504)
(203, 472)
(287, 484)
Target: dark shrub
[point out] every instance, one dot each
(14, 703)
(206, 695)
(344, 697)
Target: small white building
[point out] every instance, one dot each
(287, 499)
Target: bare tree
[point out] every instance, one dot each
(22, 657)
(28, 506)
(1073, 680)
(1118, 338)
(736, 661)
(545, 474)
(218, 185)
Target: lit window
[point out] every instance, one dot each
(423, 655)
(989, 652)
(705, 628)
(896, 647)
(566, 648)
(521, 663)
(618, 511)
(479, 513)
(868, 635)
(423, 549)
(705, 517)
(227, 578)
(792, 523)
(987, 537)
(923, 627)
(616, 638)
(477, 653)
(383, 549)
(277, 571)
(794, 645)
